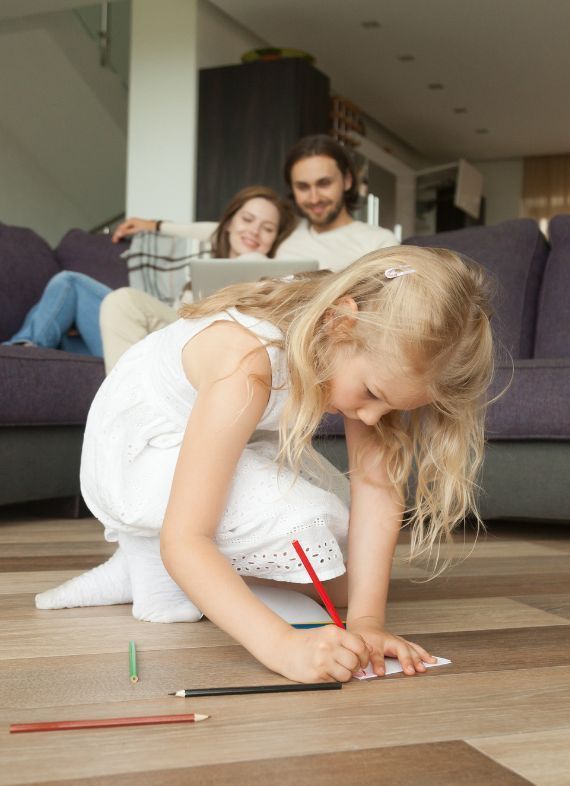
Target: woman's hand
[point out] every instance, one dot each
(381, 643)
(324, 654)
(131, 226)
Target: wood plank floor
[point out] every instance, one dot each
(500, 714)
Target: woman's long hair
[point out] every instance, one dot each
(220, 238)
(434, 323)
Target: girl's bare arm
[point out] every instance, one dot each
(375, 519)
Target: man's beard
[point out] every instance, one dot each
(325, 219)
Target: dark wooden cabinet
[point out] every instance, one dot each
(249, 117)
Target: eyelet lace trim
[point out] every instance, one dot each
(324, 554)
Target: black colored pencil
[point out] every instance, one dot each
(240, 690)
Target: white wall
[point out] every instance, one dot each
(222, 40)
(163, 90)
(502, 188)
(29, 197)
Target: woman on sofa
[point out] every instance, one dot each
(255, 221)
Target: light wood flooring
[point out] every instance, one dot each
(500, 714)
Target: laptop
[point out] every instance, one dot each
(209, 275)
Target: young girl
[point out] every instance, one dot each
(177, 464)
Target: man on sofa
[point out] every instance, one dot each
(322, 180)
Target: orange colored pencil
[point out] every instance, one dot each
(98, 723)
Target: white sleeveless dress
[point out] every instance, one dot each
(132, 439)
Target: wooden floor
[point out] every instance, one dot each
(500, 714)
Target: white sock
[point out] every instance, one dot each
(105, 585)
(156, 596)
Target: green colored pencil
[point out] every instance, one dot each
(133, 662)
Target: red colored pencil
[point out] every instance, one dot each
(98, 723)
(318, 585)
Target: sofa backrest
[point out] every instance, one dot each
(553, 322)
(515, 252)
(26, 265)
(95, 256)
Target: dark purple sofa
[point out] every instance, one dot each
(45, 393)
(527, 460)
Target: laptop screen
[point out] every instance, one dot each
(209, 275)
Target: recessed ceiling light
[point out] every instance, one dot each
(371, 24)
(435, 86)
(460, 110)
(481, 130)
(406, 58)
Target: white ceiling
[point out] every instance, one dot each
(506, 61)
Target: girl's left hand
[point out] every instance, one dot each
(381, 642)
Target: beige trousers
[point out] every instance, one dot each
(128, 315)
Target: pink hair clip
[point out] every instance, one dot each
(395, 272)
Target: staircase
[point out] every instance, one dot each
(63, 117)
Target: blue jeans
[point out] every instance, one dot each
(69, 299)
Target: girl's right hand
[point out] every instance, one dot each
(131, 226)
(324, 654)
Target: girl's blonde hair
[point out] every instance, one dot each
(433, 322)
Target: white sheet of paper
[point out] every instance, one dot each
(299, 609)
(393, 666)
(292, 606)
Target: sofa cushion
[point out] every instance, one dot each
(46, 386)
(553, 323)
(534, 405)
(515, 252)
(94, 255)
(26, 265)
